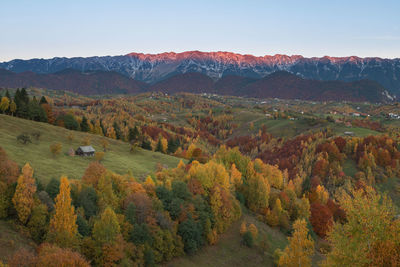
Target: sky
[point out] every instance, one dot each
(46, 29)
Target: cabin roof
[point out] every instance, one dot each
(86, 149)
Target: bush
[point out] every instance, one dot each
(55, 148)
(52, 188)
(99, 156)
(248, 239)
(36, 135)
(24, 139)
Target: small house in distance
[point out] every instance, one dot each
(349, 133)
(87, 151)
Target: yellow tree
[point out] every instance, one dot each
(23, 198)
(111, 133)
(300, 248)
(236, 176)
(63, 227)
(258, 194)
(371, 234)
(99, 156)
(13, 107)
(56, 148)
(190, 150)
(4, 104)
(164, 145)
(104, 144)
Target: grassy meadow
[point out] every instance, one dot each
(229, 251)
(46, 166)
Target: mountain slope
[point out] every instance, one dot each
(96, 82)
(153, 68)
(279, 84)
(187, 82)
(288, 86)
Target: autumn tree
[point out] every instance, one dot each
(70, 136)
(106, 229)
(55, 148)
(111, 133)
(303, 208)
(300, 248)
(236, 176)
(105, 144)
(53, 256)
(13, 107)
(86, 140)
(63, 227)
(38, 222)
(93, 173)
(4, 104)
(370, 236)
(49, 112)
(258, 194)
(99, 156)
(321, 218)
(23, 198)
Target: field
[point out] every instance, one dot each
(392, 188)
(117, 158)
(291, 128)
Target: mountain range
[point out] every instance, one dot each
(220, 72)
(280, 84)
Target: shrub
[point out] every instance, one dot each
(24, 138)
(248, 239)
(55, 148)
(99, 156)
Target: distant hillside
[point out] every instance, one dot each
(288, 86)
(188, 82)
(280, 84)
(92, 83)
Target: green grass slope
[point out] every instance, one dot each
(117, 158)
(11, 241)
(229, 250)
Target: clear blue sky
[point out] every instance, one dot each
(44, 29)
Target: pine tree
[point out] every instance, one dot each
(23, 198)
(133, 134)
(53, 188)
(43, 100)
(118, 133)
(7, 95)
(84, 125)
(159, 147)
(63, 227)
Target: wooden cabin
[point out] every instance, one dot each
(87, 151)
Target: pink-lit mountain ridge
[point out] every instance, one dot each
(154, 68)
